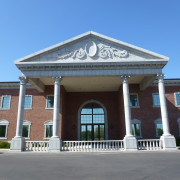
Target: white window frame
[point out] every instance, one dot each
(153, 101)
(27, 123)
(158, 121)
(137, 100)
(50, 122)
(178, 122)
(2, 102)
(4, 123)
(31, 101)
(137, 121)
(175, 99)
(47, 101)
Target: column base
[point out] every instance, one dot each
(130, 143)
(168, 142)
(55, 144)
(18, 144)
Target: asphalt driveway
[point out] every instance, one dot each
(90, 166)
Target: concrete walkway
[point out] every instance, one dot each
(90, 166)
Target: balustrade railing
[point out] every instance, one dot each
(93, 146)
(41, 146)
(149, 144)
(90, 146)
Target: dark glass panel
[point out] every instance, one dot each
(101, 129)
(25, 131)
(83, 133)
(2, 131)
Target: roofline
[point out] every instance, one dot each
(84, 35)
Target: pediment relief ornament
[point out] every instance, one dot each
(91, 50)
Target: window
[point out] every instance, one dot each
(28, 102)
(178, 121)
(136, 127)
(5, 102)
(48, 129)
(134, 100)
(159, 128)
(3, 129)
(26, 129)
(156, 101)
(50, 102)
(177, 98)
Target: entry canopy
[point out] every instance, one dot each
(91, 54)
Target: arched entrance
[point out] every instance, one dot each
(92, 124)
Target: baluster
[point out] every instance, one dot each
(154, 147)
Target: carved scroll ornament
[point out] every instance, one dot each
(92, 50)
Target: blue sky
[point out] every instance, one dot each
(27, 26)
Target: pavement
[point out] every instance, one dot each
(138, 165)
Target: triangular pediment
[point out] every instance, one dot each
(91, 47)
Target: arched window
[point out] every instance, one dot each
(92, 122)
(3, 129)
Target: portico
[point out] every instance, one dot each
(92, 63)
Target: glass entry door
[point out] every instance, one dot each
(92, 132)
(92, 122)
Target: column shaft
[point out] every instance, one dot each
(162, 97)
(20, 115)
(127, 110)
(57, 81)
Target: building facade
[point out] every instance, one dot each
(90, 88)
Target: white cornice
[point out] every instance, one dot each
(12, 85)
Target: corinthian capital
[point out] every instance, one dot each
(125, 78)
(23, 80)
(160, 77)
(57, 79)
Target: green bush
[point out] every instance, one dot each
(4, 145)
(177, 141)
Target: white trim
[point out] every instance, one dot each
(46, 101)
(4, 123)
(156, 106)
(137, 121)
(31, 101)
(1, 108)
(138, 106)
(158, 121)
(49, 122)
(176, 99)
(105, 117)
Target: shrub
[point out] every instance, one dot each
(177, 141)
(4, 145)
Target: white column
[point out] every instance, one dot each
(130, 142)
(167, 139)
(127, 109)
(57, 81)
(55, 140)
(18, 142)
(162, 97)
(20, 114)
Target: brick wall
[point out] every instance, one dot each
(71, 102)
